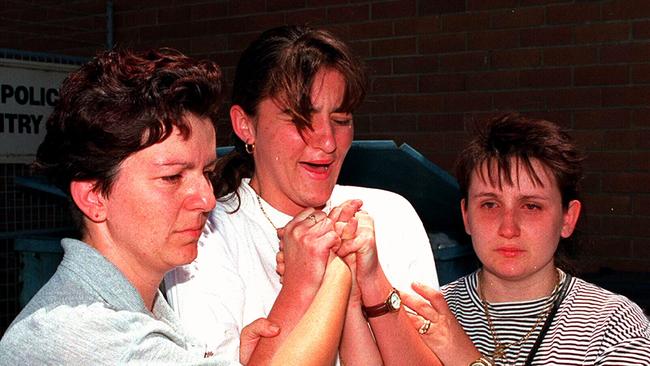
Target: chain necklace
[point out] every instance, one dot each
(499, 347)
(259, 202)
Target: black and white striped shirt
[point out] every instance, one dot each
(591, 327)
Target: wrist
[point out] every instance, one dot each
(374, 288)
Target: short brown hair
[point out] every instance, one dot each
(512, 137)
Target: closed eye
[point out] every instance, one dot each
(172, 178)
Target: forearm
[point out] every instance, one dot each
(315, 338)
(358, 345)
(397, 339)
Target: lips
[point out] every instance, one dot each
(510, 252)
(317, 169)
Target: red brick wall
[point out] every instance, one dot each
(435, 67)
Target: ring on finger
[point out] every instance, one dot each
(425, 327)
(312, 217)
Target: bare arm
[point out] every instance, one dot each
(398, 341)
(309, 273)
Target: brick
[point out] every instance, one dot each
(465, 22)
(208, 11)
(312, 16)
(574, 13)
(502, 59)
(277, 5)
(626, 96)
(492, 80)
(627, 182)
(626, 52)
(602, 32)
(370, 30)
(640, 73)
(601, 75)
(641, 205)
(136, 18)
(437, 83)
(419, 103)
(546, 36)
(608, 161)
(641, 249)
(592, 182)
(640, 117)
(545, 78)
(561, 56)
(419, 25)
(237, 41)
(361, 124)
(393, 9)
(641, 30)
(640, 161)
(174, 14)
(313, 3)
(561, 118)
(378, 104)
(440, 7)
(641, 138)
(517, 18)
(394, 123)
(626, 9)
(621, 140)
(441, 43)
(393, 47)
(360, 48)
(348, 14)
(440, 122)
(415, 64)
(490, 4)
(602, 119)
(523, 100)
(208, 44)
(395, 84)
(575, 98)
(489, 40)
(246, 7)
(608, 247)
(464, 61)
(467, 102)
(379, 66)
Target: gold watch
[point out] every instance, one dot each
(392, 304)
(482, 361)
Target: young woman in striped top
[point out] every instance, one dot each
(519, 179)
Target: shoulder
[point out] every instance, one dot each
(606, 309)
(374, 200)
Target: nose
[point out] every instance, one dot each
(202, 196)
(321, 136)
(509, 226)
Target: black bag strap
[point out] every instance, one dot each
(549, 320)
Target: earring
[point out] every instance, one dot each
(249, 148)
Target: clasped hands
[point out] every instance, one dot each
(312, 239)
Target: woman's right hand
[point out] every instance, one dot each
(306, 243)
(445, 336)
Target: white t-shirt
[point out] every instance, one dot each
(233, 280)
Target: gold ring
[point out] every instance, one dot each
(312, 217)
(425, 327)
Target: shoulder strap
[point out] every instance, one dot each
(549, 320)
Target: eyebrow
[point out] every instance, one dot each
(184, 164)
(523, 197)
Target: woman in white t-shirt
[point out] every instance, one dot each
(294, 92)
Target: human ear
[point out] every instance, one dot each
(242, 124)
(89, 200)
(463, 211)
(570, 218)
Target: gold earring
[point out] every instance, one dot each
(249, 148)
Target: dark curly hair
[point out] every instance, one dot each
(117, 104)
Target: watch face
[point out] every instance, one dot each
(395, 301)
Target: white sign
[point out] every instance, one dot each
(28, 92)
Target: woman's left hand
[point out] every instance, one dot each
(444, 336)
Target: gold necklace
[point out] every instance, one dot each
(259, 202)
(499, 347)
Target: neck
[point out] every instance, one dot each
(494, 289)
(144, 280)
(276, 199)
